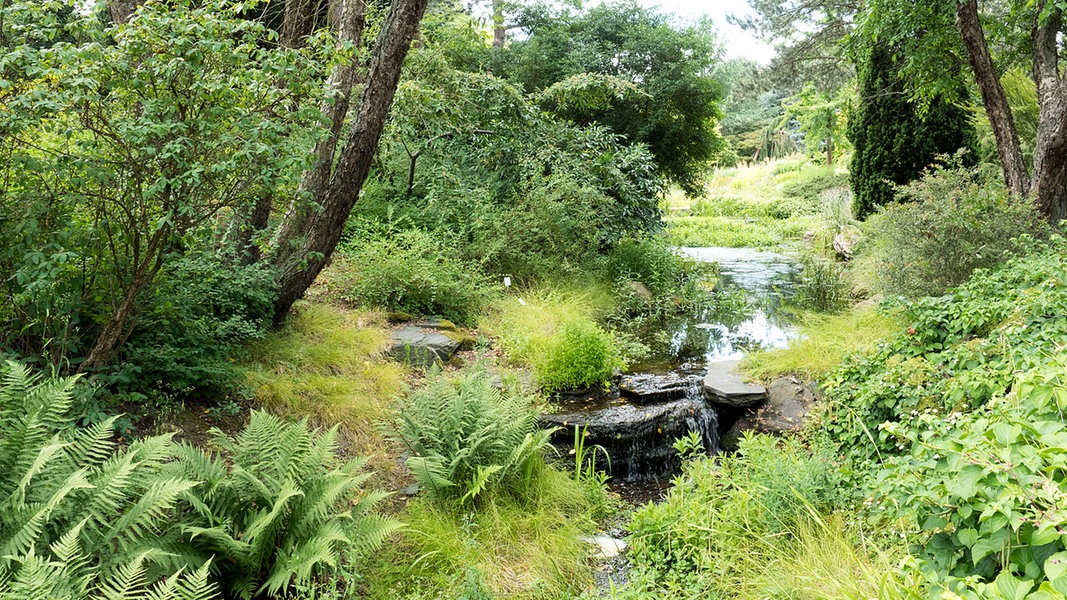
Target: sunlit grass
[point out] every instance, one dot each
(326, 362)
(824, 341)
(506, 548)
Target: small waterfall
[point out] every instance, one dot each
(706, 421)
(639, 436)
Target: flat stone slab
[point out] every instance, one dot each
(723, 385)
(421, 347)
(649, 388)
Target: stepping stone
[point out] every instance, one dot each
(422, 347)
(723, 385)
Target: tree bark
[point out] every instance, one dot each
(1049, 187)
(304, 245)
(121, 10)
(498, 23)
(298, 22)
(993, 98)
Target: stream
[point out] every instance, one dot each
(662, 398)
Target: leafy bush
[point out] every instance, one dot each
(466, 439)
(698, 541)
(982, 493)
(579, 354)
(197, 318)
(808, 184)
(647, 260)
(955, 220)
(410, 271)
(276, 505)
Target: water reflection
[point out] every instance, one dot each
(742, 314)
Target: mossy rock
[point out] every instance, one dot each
(466, 340)
(399, 317)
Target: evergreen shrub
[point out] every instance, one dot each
(955, 220)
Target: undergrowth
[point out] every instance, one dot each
(326, 362)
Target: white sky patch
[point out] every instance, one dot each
(737, 42)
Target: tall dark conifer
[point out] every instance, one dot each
(893, 140)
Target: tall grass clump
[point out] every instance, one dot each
(712, 530)
(952, 221)
(822, 343)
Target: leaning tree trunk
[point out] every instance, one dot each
(304, 245)
(1049, 187)
(993, 98)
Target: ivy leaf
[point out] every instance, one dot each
(1056, 568)
(1013, 588)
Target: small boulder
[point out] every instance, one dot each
(421, 347)
(723, 385)
(845, 243)
(641, 291)
(789, 402)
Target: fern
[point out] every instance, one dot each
(279, 514)
(467, 439)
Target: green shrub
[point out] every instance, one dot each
(714, 523)
(810, 183)
(410, 271)
(579, 354)
(955, 220)
(467, 439)
(647, 260)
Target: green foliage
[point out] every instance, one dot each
(80, 517)
(962, 417)
(958, 220)
(468, 440)
(527, 549)
(578, 355)
(123, 151)
(277, 506)
(411, 271)
(959, 352)
(822, 119)
(699, 540)
(80, 513)
(675, 114)
(197, 318)
(893, 140)
(461, 159)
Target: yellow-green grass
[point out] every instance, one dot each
(732, 232)
(824, 341)
(525, 320)
(822, 558)
(513, 549)
(326, 363)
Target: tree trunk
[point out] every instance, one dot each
(303, 252)
(1049, 185)
(993, 98)
(120, 323)
(121, 10)
(298, 22)
(498, 23)
(255, 224)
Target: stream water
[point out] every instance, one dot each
(662, 398)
